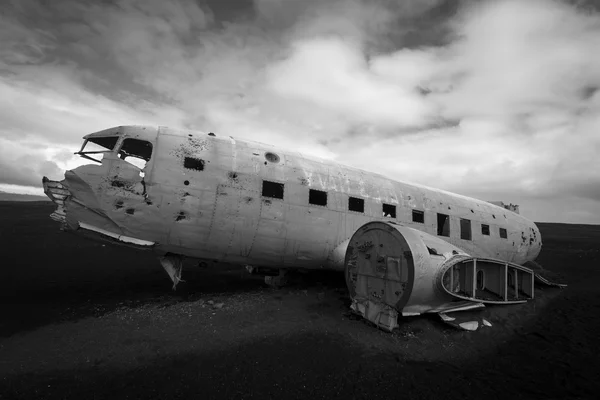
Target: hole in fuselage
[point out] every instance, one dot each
(193, 163)
(272, 157)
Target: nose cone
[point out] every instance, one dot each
(81, 189)
(58, 193)
(85, 204)
(80, 199)
(77, 201)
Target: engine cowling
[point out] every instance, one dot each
(393, 269)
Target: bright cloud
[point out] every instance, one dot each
(332, 74)
(494, 99)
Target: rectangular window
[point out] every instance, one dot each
(485, 229)
(503, 234)
(356, 204)
(389, 210)
(465, 229)
(136, 152)
(443, 225)
(272, 189)
(193, 163)
(317, 197)
(136, 148)
(418, 216)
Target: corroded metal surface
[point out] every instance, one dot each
(201, 195)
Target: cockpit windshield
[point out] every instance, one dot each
(136, 152)
(97, 145)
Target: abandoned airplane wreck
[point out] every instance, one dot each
(406, 249)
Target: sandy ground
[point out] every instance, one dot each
(83, 320)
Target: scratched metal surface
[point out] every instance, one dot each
(218, 212)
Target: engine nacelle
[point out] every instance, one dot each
(394, 269)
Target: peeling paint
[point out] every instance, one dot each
(233, 176)
(267, 232)
(191, 147)
(119, 184)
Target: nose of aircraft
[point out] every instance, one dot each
(79, 207)
(77, 202)
(58, 193)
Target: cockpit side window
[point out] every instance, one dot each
(97, 145)
(136, 152)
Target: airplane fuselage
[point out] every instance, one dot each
(219, 198)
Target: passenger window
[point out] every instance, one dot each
(443, 225)
(193, 163)
(356, 204)
(272, 189)
(485, 229)
(503, 233)
(136, 152)
(465, 229)
(389, 210)
(317, 197)
(418, 216)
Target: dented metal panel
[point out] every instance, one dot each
(58, 194)
(200, 195)
(122, 238)
(390, 265)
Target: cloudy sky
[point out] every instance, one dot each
(497, 100)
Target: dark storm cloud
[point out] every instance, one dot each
(27, 170)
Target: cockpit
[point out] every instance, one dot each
(134, 151)
(110, 194)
